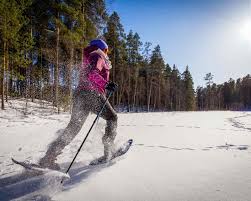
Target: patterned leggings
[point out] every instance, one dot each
(84, 102)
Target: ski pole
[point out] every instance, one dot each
(110, 93)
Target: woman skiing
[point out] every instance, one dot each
(88, 97)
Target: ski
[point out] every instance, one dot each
(37, 169)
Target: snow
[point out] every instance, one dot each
(178, 156)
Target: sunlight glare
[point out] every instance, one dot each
(245, 30)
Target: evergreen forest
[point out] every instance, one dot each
(41, 53)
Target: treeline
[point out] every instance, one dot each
(42, 50)
(231, 95)
(145, 81)
(41, 46)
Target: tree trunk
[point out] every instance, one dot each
(84, 33)
(11, 77)
(155, 100)
(121, 91)
(128, 90)
(135, 92)
(113, 70)
(41, 78)
(2, 75)
(32, 79)
(159, 93)
(146, 91)
(69, 75)
(26, 90)
(149, 97)
(56, 72)
(7, 75)
(32, 84)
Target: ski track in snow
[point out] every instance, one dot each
(236, 122)
(183, 144)
(225, 147)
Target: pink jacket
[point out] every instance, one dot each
(94, 74)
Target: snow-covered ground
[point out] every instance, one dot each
(176, 156)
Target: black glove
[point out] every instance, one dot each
(111, 86)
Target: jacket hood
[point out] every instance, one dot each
(104, 56)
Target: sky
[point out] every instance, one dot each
(207, 35)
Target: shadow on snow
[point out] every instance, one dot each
(27, 186)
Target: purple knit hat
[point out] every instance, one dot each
(99, 43)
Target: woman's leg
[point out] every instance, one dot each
(78, 117)
(111, 118)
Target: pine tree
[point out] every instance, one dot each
(115, 38)
(157, 69)
(209, 81)
(11, 21)
(133, 45)
(189, 90)
(167, 86)
(199, 98)
(145, 74)
(71, 40)
(175, 93)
